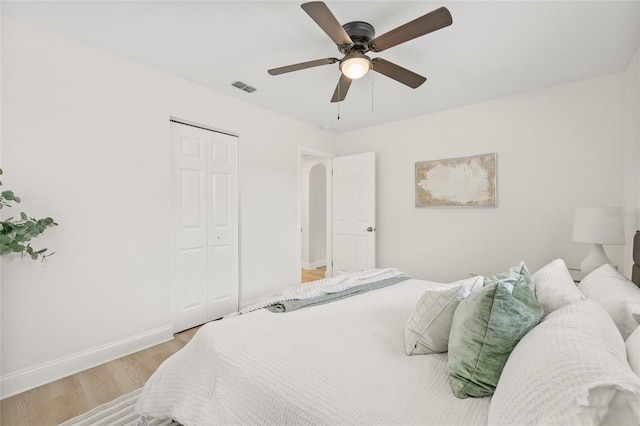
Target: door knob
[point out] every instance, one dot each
(369, 229)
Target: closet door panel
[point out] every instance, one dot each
(204, 260)
(189, 243)
(223, 224)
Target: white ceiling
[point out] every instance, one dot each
(492, 50)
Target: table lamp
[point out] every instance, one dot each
(598, 226)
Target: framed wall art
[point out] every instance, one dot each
(456, 182)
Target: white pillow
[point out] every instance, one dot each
(428, 328)
(616, 294)
(571, 369)
(554, 287)
(633, 351)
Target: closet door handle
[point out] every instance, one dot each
(369, 229)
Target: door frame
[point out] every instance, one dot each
(302, 151)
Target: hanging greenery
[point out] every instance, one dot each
(16, 234)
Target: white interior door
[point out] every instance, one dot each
(354, 213)
(204, 269)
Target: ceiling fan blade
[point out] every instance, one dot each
(320, 13)
(398, 73)
(341, 89)
(425, 24)
(302, 66)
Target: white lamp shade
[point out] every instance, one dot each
(599, 225)
(355, 65)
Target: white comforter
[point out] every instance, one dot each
(339, 363)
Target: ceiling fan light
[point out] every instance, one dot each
(355, 66)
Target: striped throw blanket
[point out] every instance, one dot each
(327, 286)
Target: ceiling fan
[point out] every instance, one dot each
(354, 39)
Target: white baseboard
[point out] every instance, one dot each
(29, 378)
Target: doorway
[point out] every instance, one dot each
(315, 214)
(349, 212)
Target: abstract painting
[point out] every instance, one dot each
(457, 182)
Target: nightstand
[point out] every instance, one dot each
(577, 275)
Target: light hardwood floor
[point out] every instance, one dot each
(313, 274)
(66, 398)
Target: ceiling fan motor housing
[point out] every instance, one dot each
(361, 34)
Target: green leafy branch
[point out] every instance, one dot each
(16, 234)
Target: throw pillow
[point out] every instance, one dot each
(616, 294)
(428, 328)
(487, 325)
(554, 287)
(569, 370)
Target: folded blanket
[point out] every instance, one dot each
(329, 286)
(292, 305)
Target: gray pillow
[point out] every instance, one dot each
(486, 327)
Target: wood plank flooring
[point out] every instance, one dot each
(71, 396)
(313, 274)
(66, 398)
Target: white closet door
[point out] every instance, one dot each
(204, 270)
(354, 213)
(223, 225)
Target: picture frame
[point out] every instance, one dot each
(457, 182)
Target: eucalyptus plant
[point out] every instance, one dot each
(16, 234)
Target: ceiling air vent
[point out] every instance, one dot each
(242, 86)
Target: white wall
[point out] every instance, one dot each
(631, 138)
(85, 139)
(558, 149)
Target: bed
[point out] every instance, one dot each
(345, 350)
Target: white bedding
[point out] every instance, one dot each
(339, 363)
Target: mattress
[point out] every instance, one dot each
(338, 363)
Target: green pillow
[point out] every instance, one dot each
(486, 327)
